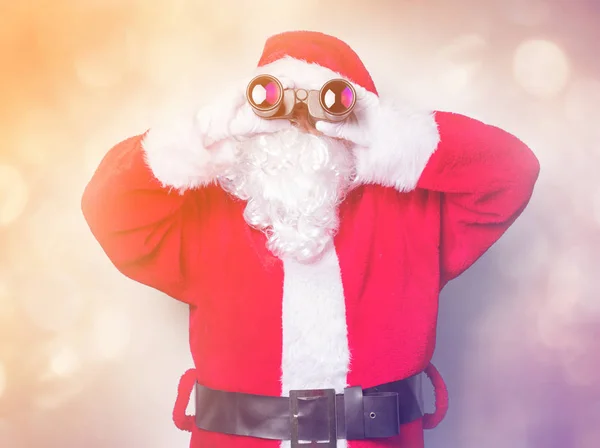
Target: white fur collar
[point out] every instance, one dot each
(403, 140)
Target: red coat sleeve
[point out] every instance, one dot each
(145, 229)
(485, 177)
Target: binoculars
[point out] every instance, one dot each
(333, 102)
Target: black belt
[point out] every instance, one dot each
(311, 415)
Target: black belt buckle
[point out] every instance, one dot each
(305, 395)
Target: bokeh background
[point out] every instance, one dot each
(90, 359)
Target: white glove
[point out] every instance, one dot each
(231, 116)
(357, 130)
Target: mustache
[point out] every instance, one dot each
(293, 183)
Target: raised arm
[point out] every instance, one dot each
(148, 229)
(146, 202)
(486, 178)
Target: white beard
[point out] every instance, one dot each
(293, 183)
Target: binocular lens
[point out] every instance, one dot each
(333, 102)
(337, 97)
(264, 93)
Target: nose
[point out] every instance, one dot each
(301, 120)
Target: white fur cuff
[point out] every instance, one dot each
(177, 157)
(403, 140)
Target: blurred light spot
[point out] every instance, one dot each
(566, 282)
(2, 379)
(168, 59)
(111, 333)
(565, 289)
(528, 13)
(51, 229)
(62, 379)
(6, 304)
(459, 62)
(65, 362)
(3, 289)
(8, 308)
(464, 48)
(596, 206)
(492, 341)
(566, 306)
(105, 67)
(549, 329)
(274, 16)
(50, 138)
(54, 397)
(8, 435)
(531, 261)
(489, 411)
(572, 276)
(53, 302)
(13, 194)
(31, 150)
(541, 68)
(578, 366)
(456, 79)
(581, 102)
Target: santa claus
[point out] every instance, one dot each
(309, 225)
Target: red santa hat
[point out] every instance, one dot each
(402, 138)
(321, 50)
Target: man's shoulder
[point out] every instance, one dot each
(381, 195)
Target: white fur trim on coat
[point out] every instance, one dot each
(315, 350)
(175, 152)
(402, 139)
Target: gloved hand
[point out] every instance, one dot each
(357, 129)
(231, 116)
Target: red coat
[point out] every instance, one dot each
(395, 249)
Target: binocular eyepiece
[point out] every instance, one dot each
(333, 102)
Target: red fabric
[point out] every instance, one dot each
(430, 421)
(184, 391)
(396, 251)
(321, 49)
